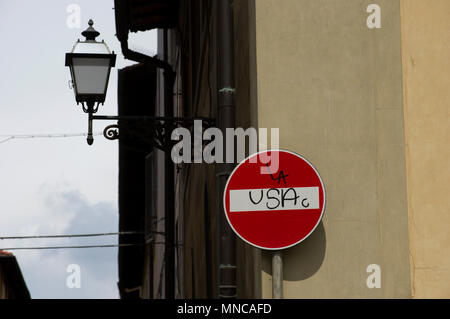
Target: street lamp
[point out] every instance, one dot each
(90, 63)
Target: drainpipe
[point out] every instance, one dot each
(169, 203)
(225, 119)
(169, 81)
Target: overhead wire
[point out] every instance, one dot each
(71, 236)
(75, 236)
(8, 137)
(69, 247)
(87, 246)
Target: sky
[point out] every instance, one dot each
(52, 186)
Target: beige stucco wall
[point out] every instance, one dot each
(426, 69)
(334, 88)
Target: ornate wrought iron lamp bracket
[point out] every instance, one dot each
(153, 130)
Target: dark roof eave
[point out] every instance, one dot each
(13, 272)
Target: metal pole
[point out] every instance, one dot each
(90, 109)
(90, 138)
(169, 221)
(226, 103)
(277, 275)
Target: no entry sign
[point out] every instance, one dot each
(274, 205)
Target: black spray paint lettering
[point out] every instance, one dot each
(281, 176)
(251, 199)
(276, 197)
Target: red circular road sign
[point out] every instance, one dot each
(274, 199)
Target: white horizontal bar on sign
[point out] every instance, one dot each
(263, 199)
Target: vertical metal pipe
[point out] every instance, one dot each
(225, 118)
(169, 221)
(90, 109)
(90, 137)
(277, 275)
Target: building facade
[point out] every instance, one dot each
(360, 89)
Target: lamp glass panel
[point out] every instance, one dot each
(91, 47)
(91, 75)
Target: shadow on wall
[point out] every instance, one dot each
(303, 260)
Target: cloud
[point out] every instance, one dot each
(80, 190)
(67, 211)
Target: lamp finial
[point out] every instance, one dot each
(90, 33)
